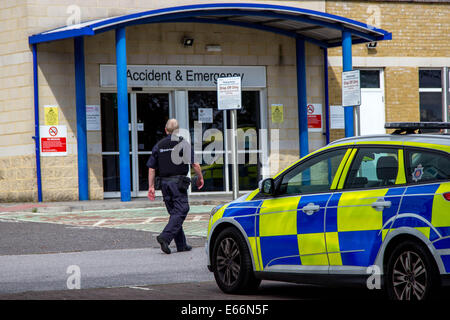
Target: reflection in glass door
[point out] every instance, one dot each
(208, 126)
(148, 114)
(152, 113)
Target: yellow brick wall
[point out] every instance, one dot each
(17, 163)
(418, 29)
(420, 39)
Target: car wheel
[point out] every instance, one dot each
(410, 273)
(233, 269)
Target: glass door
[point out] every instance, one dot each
(206, 126)
(152, 113)
(148, 114)
(110, 144)
(249, 142)
(209, 128)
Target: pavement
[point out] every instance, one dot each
(137, 214)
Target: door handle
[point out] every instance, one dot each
(310, 208)
(380, 204)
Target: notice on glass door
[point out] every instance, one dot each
(205, 115)
(93, 118)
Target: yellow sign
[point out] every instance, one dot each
(277, 113)
(51, 115)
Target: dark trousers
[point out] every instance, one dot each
(177, 205)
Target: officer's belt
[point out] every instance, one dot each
(172, 178)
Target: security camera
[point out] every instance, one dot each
(372, 45)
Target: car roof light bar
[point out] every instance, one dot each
(411, 127)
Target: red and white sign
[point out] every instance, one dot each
(314, 111)
(53, 141)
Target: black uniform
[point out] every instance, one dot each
(171, 158)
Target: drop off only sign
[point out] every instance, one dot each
(351, 88)
(53, 141)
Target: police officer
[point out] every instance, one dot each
(169, 163)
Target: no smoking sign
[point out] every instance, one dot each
(314, 111)
(53, 141)
(53, 131)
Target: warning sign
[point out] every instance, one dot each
(53, 141)
(51, 115)
(314, 112)
(277, 113)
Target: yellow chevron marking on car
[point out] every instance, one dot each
(401, 178)
(440, 214)
(340, 169)
(282, 223)
(346, 168)
(216, 217)
(351, 216)
(384, 233)
(252, 194)
(311, 247)
(332, 241)
(254, 244)
(424, 230)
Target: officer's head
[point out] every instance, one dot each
(171, 126)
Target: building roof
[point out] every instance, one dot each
(320, 28)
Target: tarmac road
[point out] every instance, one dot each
(41, 260)
(36, 257)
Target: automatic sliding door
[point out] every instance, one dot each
(148, 114)
(208, 126)
(249, 144)
(110, 142)
(152, 113)
(206, 129)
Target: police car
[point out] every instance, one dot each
(370, 210)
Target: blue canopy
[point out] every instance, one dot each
(320, 28)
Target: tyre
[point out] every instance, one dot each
(411, 274)
(232, 263)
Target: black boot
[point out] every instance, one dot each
(186, 248)
(164, 244)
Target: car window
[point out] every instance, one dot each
(314, 175)
(423, 166)
(373, 167)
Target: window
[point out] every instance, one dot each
(373, 167)
(370, 79)
(430, 95)
(314, 175)
(426, 166)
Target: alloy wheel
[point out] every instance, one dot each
(409, 277)
(228, 262)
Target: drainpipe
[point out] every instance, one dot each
(36, 136)
(327, 99)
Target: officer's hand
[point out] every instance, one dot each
(200, 183)
(151, 193)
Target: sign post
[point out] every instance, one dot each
(351, 94)
(229, 97)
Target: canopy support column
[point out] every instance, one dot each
(348, 66)
(301, 96)
(80, 98)
(122, 110)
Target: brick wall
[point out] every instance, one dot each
(420, 39)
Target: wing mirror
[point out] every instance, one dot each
(267, 186)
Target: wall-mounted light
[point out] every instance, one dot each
(188, 42)
(213, 48)
(372, 45)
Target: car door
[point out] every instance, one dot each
(367, 197)
(291, 223)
